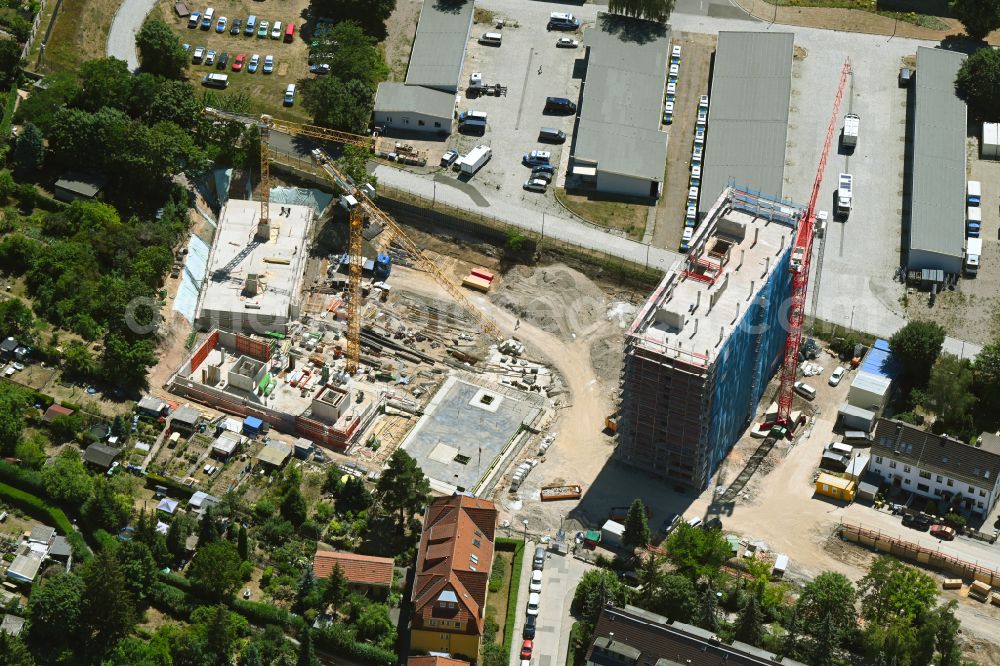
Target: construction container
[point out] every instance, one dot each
(482, 273)
(553, 493)
(990, 145)
(952, 584)
(472, 282)
(979, 591)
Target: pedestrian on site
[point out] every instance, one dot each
(539, 70)
(517, 324)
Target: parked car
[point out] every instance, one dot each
(526, 648)
(268, 64)
(449, 158)
(254, 63)
(194, 19)
(536, 185)
(186, 48)
(703, 102)
(529, 626)
(536, 582)
(221, 25)
(276, 30)
(536, 158)
(199, 55)
(688, 234)
(567, 43)
(543, 168)
(917, 521)
(672, 88)
(533, 601)
(222, 61)
(943, 532)
(541, 175)
(237, 27)
(806, 391)
(559, 105)
(238, 63)
(669, 523)
(210, 57)
(262, 30)
(837, 375)
(319, 68)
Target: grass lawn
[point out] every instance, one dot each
(496, 602)
(621, 215)
(923, 20)
(80, 33)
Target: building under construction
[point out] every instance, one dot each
(701, 350)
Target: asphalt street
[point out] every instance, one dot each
(128, 21)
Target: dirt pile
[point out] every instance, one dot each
(556, 299)
(606, 356)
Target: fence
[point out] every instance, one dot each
(428, 214)
(911, 551)
(34, 28)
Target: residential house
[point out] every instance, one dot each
(435, 660)
(73, 186)
(937, 466)
(55, 410)
(185, 420)
(274, 454)
(364, 573)
(452, 575)
(630, 636)
(151, 406)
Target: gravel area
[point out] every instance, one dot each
(128, 21)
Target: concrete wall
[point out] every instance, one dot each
(614, 183)
(410, 121)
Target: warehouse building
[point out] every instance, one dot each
(618, 146)
(425, 101)
(255, 268)
(937, 177)
(748, 113)
(701, 350)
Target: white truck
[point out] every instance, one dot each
(476, 158)
(849, 137)
(973, 250)
(845, 194)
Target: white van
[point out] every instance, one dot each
(214, 80)
(491, 39)
(290, 94)
(694, 522)
(974, 192)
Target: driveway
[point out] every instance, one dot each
(128, 21)
(559, 579)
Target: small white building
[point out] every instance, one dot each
(413, 108)
(612, 533)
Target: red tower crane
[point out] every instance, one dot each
(800, 264)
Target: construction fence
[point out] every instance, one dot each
(906, 550)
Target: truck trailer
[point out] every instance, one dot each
(845, 194)
(973, 250)
(849, 136)
(476, 158)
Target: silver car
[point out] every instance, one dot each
(536, 185)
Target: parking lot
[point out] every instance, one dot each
(290, 59)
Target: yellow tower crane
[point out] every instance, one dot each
(265, 124)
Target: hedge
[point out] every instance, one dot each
(170, 600)
(338, 640)
(41, 510)
(184, 492)
(21, 477)
(517, 546)
(254, 612)
(8, 113)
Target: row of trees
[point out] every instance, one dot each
(900, 620)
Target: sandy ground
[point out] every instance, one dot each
(400, 29)
(696, 54)
(972, 311)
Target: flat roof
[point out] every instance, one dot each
(275, 453)
(692, 317)
(398, 97)
(937, 192)
(622, 102)
(87, 185)
(25, 567)
(748, 113)
(439, 44)
(834, 481)
(278, 262)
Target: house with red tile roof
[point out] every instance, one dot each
(364, 573)
(452, 576)
(435, 661)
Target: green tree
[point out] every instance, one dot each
(31, 452)
(375, 625)
(353, 497)
(54, 613)
(636, 534)
(707, 616)
(750, 623)
(126, 362)
(66, 479)
(138, 567)
(986, 377)
(215, 570)
(219, 635)
(243, 544)
(78, 361)
(106, 509)
(653, 10)
(13, 651)
(354, 164)
(106, 610)
(917, 346)
(949, 393)
(293, 506)
(596, 588)
(402, 489)
(696, 552)
(15, 317)
(307, 655)
(176, 538)
(978, 83)
(14, 400)
(336, 590)
(893, 590)
(160, 50)
(980, 17)
(336, 104)
(250, 656)
(10, 62)
(174, 101)
(828, 597)
(29, 148)
(372, 14)
(104, 83)
(209, 530)
(676, 598)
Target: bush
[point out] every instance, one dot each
(339, 640)
(41, 510)
(515, 575)
(182, 491)
(170, 600)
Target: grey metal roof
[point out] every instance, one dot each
(937, 217)
(87, 185)
(937, 453)
(439, 45)
(619, 125)
(748, 113)
(186, 415)
(395, 97)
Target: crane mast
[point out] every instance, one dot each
(799, 265)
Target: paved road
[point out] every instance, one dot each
(128, 21)
(559, 579)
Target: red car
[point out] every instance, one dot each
(526, 649)
(943, 532)
(238, 63)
